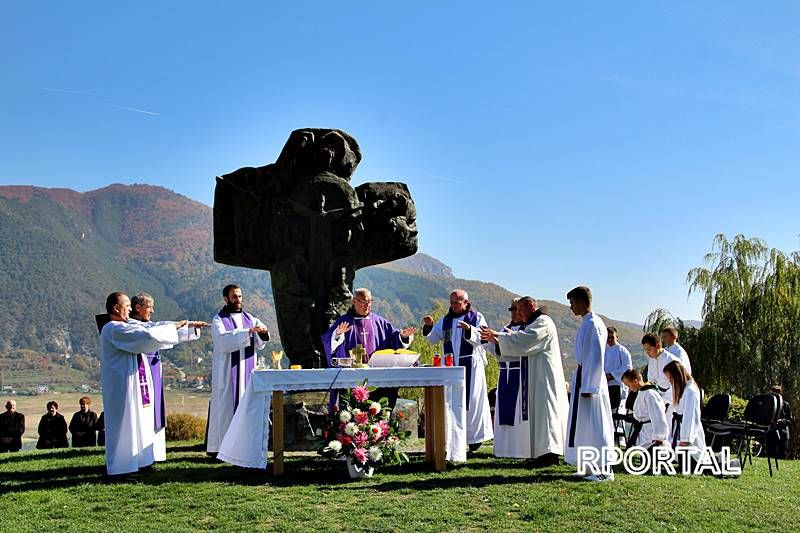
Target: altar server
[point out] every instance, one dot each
(531, 412)
(651, 428)
(658, 358)
(669, 338)
(237, 336)
(590, 423)
(684, 411)
(459, 330)
(616, 361)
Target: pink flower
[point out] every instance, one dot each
(384, 425)
(360, 438)
(360, 393)
(360, 455)
(362, 418)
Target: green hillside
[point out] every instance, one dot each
(64, 251)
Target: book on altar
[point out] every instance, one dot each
(393, 358)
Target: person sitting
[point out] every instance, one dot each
(52, 429)
(778, 440)
(12, 426)
(82, 425)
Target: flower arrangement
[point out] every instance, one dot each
(360, 429)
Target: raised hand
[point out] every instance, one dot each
(179, 324)
(407, 332)
(343, 328)
(488, 335)
(463, 325)
(198, 324)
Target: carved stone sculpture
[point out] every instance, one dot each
(301, 219)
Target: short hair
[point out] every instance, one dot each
(514, 301)
(612, 329)
(363, 292)
(86, 400)
(671, 330)
(228, 288)
(455, 291)
(11, 402)
(112, 300)
(141, 298)
(53, 403)
(527, 301)
(632, 374)
(581, 293)
(651, 339)
(777, 389)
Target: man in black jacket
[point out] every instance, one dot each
(12, 426)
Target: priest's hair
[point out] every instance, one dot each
(229, 288)
(141, 299)
(112, 300)
(456, 291)
(363, 292)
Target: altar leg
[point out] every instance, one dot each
(277, 433)
(428, 425)
(437, 412)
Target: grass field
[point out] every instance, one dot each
(65, 491)
(33, 407)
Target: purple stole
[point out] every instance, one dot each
(160, 412)
(376, 337)
(465, 350)
(144, 387)
(236, 358)
(509, 383)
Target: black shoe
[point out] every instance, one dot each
(133, 477)
(548, 459)
(474, 447)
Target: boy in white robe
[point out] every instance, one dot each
(541, 408)
(657, 359)
(459, 330)
(127, 385)
(669, 338)
(589, 424)
(648, 411)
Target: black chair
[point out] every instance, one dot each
(620, 419)
(760, 416)
(716, 410)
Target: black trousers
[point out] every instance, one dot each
(614, 395)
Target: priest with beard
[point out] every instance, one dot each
(237, 336)
(459, 330)
(361, 326)
(531, 414)
(142, 308)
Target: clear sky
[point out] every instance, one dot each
(547, 144)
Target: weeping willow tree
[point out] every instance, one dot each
(750, 337)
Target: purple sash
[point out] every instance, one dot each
(507, 390)
(160, 412)
(465, 350)
(236, 359)
(144, 387)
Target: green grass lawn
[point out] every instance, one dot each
(65, 491)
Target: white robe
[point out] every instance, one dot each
(649, 408)
(691, 430)
(184, 335)
(479, 415)
(680, 354)
(545, 429)
(593, 424)
(129, 424)
(616, 361)
(225, 342)
(655, 373)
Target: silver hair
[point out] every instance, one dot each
(140, 299)
(466, 295)
(363, 292)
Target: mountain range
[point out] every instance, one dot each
(63, 251)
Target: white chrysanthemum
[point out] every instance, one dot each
(351, 429)
(345, 416)
(375, 408)
(356, 412)
(336, 446)
(375, 454)
(386, 414)
(375, 430)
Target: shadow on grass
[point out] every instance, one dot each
(196, 467)
(61, 453)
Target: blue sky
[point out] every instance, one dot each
(546, 144)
